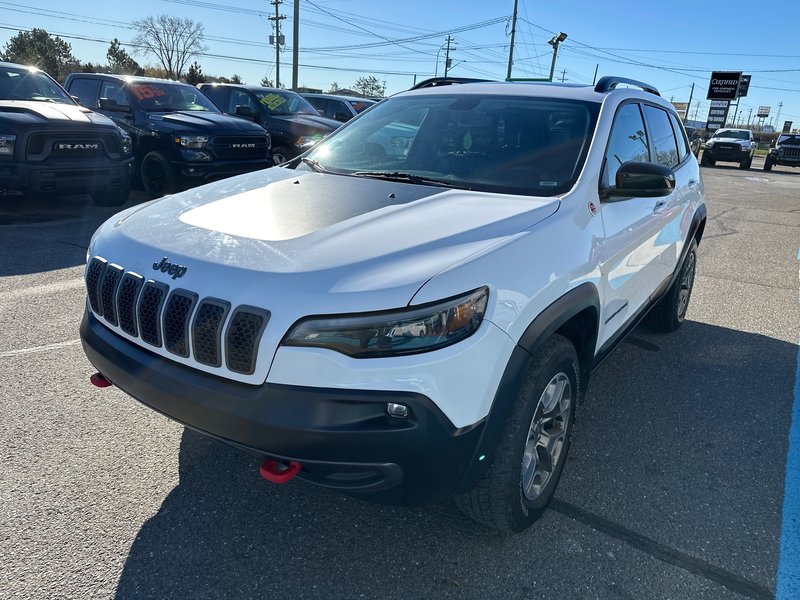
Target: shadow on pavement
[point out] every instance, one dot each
(682, 438)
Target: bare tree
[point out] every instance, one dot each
(173, 40)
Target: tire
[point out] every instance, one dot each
(282, 154)
(705, 161)
(670, 312)
(768, 164)
(746, 164)
(157, 177)
(501, 500)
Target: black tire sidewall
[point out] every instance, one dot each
(168, 181)
(281, 151)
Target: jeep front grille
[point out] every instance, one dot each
(178, 320)
(790, 152)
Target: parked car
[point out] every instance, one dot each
(695, 141)
(49, 145)
(730, 145)
(295, 126)
(404, 326)
(341, 108)
(180, 139)
(786, 152)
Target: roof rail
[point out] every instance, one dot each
(439, 81)
(609, 82)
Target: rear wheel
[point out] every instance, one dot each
(157, 177)
(670, 312)
(532, 451)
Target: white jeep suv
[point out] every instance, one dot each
(413, 308)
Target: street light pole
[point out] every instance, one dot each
(554, 42)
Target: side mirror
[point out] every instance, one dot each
(340, 116)
(642, 180)
(77, 100)
(112, 105)
(245, 111)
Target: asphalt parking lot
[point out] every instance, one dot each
(673, 489)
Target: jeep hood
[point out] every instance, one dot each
(19, 113)
(203, 121)
(311, 235)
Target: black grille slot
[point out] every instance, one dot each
(207, 331)
(93, 275)
(108, 292)
(176, 321)
(793, 152)
(242, 338)
(150, 303)
(126, 302)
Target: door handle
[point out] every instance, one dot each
(692, 183)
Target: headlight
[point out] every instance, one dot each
(394, 333)
(306, 141)
(196, 142)
(709, 143)
(7, 145)
(127, 144)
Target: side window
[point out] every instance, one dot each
(680, 135)
(85, 90)
(218, 95)
(241, 98)
(662, 135)
(628, 142)
(113, 91)
(336, 107)
(320, 104)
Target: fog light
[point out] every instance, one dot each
(397, 410)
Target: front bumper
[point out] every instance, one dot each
(727, 155)
(344, 438)
(191, 174)
(785, 159)
(66, 178)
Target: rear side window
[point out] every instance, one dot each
(628, 142)
(662, 136)
(218, 95)
(320, 104)
(86, 91)
(113, 91)
(680, 135)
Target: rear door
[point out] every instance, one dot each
(631, 256)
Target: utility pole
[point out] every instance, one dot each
(277, 19)
(688, 106)
(554, 42)
(778, 116)
(295, 43)
(447, 56)
(511, 48)
(749, 115)
(563, 76)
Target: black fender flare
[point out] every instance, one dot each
(546, 323)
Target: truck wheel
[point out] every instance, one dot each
(670, 312)
(746, 164)
(281, 154)
(532, 451)
(157, 177)
(768, 164)
(705, 161)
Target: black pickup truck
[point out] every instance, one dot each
(50, 145)
(180, 138)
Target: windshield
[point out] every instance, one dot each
(792, 140)
(279, 102)
(732, 133)
(28, 84)
(169, 97)
(506, 144)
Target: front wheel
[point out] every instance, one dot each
(670, 312)
(532, 451)
(281, 154)
(157, 177)
(705, 161)
(768, 164)
(745, 164)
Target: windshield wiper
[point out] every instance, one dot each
(314, 165)
(407, 178)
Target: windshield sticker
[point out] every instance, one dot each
(272, 101)
(146, 91)
(548, 183)
(467, 142)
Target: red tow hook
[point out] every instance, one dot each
(100, 380)
(278, 472)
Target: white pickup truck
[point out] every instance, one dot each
(411, 309)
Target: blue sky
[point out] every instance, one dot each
(670, 45)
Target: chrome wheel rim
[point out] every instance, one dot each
(278, 159)
(687, 279)
(546, 436)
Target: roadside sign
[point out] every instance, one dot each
(717, 114)
(744, 85)
(680, 108)
(724, 85)
(763, 111)
(787, 126)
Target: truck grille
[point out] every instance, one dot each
(74, 146)
(177, 319)
(251, 147)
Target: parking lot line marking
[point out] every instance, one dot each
(45, 348)
(732, 581)
(788, 587)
